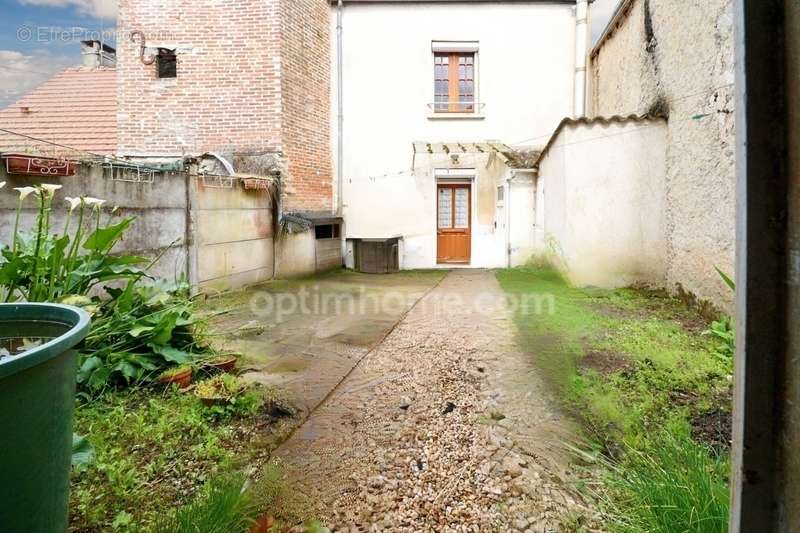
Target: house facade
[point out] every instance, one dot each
(443, 107)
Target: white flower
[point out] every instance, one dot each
(97, 202)
(49, 188)
(74, 203)
(2, 184)
(24, 192)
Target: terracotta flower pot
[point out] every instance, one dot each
(209, 402)
(30, 165)
(263, 524)
(183, 378)
(220, 364)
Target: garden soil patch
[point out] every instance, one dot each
(605, 362)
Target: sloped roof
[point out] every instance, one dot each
(76, 108)
(591, 121)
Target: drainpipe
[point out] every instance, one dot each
(340, 105)
(581, 55)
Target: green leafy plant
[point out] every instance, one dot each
(724, 332)
(82, 453)
(227, 396)
(723, 329)
(139, 333)
(726, 278)
(138, 329)
(39, 266)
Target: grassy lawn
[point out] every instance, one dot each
(651, 390)
(155, 450)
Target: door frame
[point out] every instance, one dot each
(455, 176)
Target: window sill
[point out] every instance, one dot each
(456, 116)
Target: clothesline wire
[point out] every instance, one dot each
(93, 157)
(124, 162)
(597, 138)
(666, 100)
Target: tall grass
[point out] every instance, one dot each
(226, 506)
(672, 485)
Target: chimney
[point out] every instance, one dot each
(96, 54)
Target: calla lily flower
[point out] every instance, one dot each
(74, 203)
(94, 201)
(49, 188)
(24, 192)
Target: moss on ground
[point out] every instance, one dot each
(636, 368)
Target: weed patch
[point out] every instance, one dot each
(158, 450)
(631, 363)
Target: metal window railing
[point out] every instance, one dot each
(456, 107)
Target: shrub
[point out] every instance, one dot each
(42, 267)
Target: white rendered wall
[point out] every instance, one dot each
(603, 189)
(525, 76)
(523, 212)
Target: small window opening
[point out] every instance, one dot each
(166, 63)
(328, 231)
(501, 194)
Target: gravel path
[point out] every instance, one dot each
(445, 426)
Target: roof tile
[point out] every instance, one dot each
(77, 109)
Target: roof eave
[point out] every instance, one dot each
(622, 11)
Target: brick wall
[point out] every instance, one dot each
(306, 104)
(227, 93)
(253, 77)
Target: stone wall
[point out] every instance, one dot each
(675, 57)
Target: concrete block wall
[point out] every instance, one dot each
(677, 56)
(233, 232)
(160, 210)
(219, 238)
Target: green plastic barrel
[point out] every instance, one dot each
(37, 395)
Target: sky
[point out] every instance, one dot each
(41, 37)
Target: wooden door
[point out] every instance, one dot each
(454, 223)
